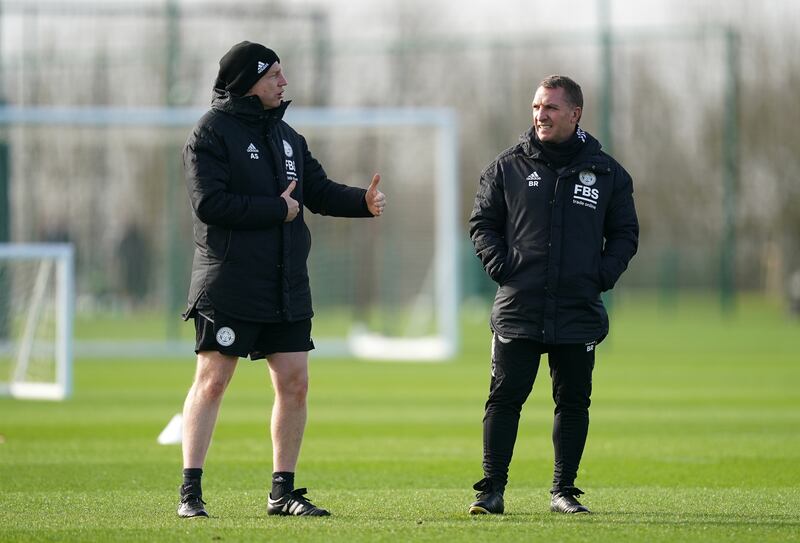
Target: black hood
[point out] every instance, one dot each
(246, 107)
(533, 147)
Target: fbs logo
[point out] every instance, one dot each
(253, 150)
(584, 194)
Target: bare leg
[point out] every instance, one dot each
(289, 373)
(214, 372)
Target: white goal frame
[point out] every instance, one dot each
(443, 344)
(56, 259)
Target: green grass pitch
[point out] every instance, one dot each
(694, 436)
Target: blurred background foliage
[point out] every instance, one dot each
(698, 103)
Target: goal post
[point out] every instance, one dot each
(437, 299)
(431, 332)
(36, 319)
(387, 290)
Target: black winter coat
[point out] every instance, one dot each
(553, 242)
(237, 161)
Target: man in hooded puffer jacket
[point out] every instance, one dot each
(249, 176)
(554, 225)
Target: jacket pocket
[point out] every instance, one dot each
(581, 285)
(218, 244)
(227, 246)
(510, 265)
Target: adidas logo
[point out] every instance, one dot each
(252, 149)
(262, 66)
(533, 177)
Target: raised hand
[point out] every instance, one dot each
(293, 208)
(376, 200)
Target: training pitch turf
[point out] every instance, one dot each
(694, 436)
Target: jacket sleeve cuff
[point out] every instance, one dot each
(364, 207)
(264, 212)
(284, 208)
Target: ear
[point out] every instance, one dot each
(576, 114)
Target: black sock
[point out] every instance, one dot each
(191, 481)
(282, 483)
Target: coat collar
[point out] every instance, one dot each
(248, 108)
(589, 153)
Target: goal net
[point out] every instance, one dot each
(36, 320)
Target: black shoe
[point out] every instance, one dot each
(293, 503)
(191, 504)
(489, 498)
(563, 501)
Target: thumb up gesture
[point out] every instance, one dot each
(293, 208)
(376, 200)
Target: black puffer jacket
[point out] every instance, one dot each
(553, 242)
(237, 161)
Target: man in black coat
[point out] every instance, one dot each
(554, 225)
(249, 176)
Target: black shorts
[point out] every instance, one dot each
(216, 331)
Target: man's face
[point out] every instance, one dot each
(269, 88)
(554, 118)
